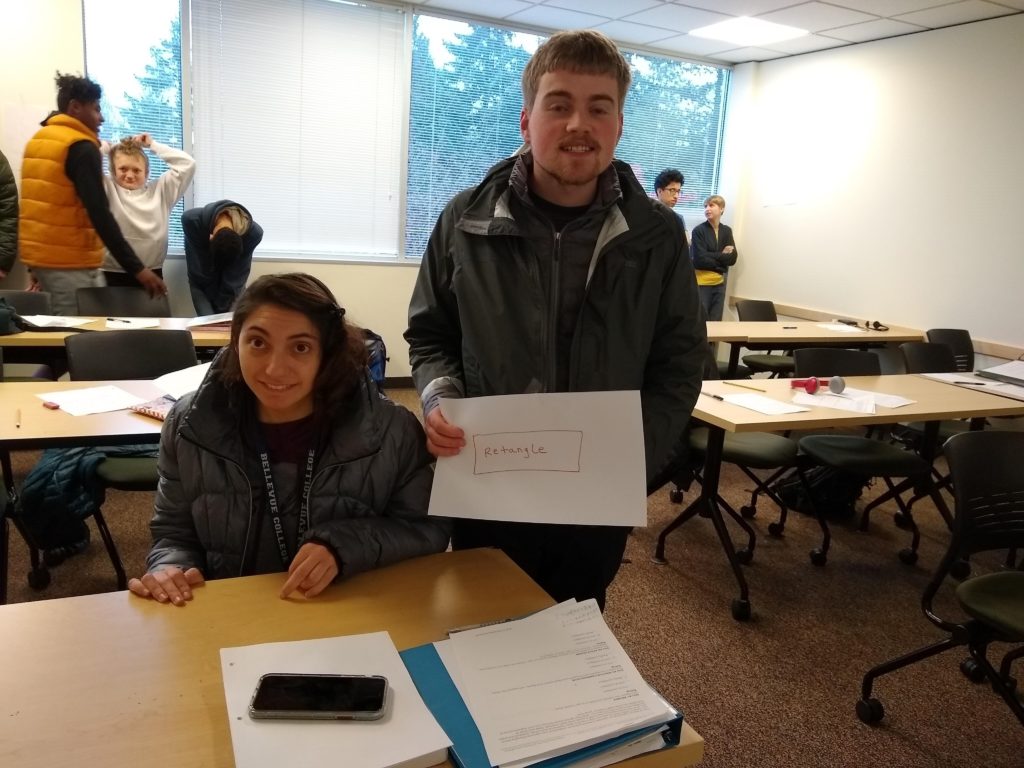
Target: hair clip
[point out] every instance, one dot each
(875, 325)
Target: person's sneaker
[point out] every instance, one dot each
(57, 555)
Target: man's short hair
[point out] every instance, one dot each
(717, 200)
(226, 245)
(584, 51)
(666, 177)
(74, 88)
(132, 148)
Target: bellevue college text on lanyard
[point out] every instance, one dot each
(275, 512)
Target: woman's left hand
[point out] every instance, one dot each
(313, 568)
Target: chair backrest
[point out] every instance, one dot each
(138, 354)
(958, 340)
(831, 361)
(121, 301)
(753, 310)
(28, 302)
(927, 357)
(890, 359)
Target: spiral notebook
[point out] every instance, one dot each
(157, 408)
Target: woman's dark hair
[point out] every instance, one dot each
(343, 349)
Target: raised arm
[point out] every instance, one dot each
(181, 167)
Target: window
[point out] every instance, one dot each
(136, 59)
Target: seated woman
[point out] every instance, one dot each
(286, 458)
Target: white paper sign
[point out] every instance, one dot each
(567, 457)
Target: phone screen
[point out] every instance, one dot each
(283, 695)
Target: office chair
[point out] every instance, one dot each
(28, 302)
(890, 360)
(959, 341)
(989, 515)
(752, 310)
(121, 302)
(112, 355)
(862, 456)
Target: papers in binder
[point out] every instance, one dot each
(1011, 372)
(157, 408)
(219, 321)
(408, 736)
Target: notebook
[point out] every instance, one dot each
(157, 408)
(1011, 372)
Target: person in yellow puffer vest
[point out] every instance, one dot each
(65, 217)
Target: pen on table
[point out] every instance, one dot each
(717, 397)
(118, 320)
(973, 383)
(745, 386)
(17, 419)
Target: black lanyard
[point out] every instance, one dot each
(275, 512)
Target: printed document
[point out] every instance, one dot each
(103, 399)
(549, 684)
(567, 457)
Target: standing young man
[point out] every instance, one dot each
(65, 218)
(557, 273)
(713, 252)
(668, 185)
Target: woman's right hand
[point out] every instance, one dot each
(171, 585)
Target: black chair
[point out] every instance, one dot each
(112, 355)
(753, 310)
(28, 302)
(928, 357)
(121, 302)
(890, 360)
(989, 490)
(958, 340)
(861, 456)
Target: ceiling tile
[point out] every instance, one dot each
(549, 17)
(957, 13)
(613, 9)
(676, 17)
(742, 55)
(874, 30)
(889, 8)
(638, 34)
(814, 17)
(694, 46)
(805, 44)
(737, 7)
(1018, 4)
(496, 9)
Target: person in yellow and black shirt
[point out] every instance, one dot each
(713, 251)
(65, 217)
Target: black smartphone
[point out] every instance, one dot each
(283, 696)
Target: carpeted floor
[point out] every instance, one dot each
(778, 690)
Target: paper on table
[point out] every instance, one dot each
(81, 402)
(762, 404)
(975, 382)
(408, 735)
(221, 319)
(839, 402)
(178, 383)
(567, 457)
(563, 682)
(882, 399)
(840, 327)
(57, 321)
(131, 323)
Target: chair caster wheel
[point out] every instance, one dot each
(659, 560)
(748, 511)
(1011, 683)
(675, 496)
(744, 556)
(902, 521)
(870, 711)
(907, 556)
(972, 671)
(960, 570)
(39, 578)
(818, 557)
(740, 609)
(776, 529)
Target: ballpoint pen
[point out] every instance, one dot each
(118, 320)
(17, 419)
(717, 397)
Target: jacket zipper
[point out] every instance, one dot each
(551, 374)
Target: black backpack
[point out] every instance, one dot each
(835, 491)
(378, 357)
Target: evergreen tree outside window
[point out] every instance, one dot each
(134, 53)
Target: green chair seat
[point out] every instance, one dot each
(777, 364)
(996, 599)
(129, 474)
(861, 455)
(757, 450)
(742, 372)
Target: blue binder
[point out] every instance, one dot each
(444, 701)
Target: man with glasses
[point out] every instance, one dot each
(668, 185)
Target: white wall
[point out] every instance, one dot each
(886, 180)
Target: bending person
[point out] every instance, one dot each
(142, 208)
(287, 459)
(219, 242)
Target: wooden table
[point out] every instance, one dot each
(114, 680)
(934, 401)
(796, 334)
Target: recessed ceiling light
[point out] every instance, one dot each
(746, 31)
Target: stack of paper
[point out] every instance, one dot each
(555, 686)
(220, 321)
(408, 736)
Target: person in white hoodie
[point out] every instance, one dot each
(141, 207)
